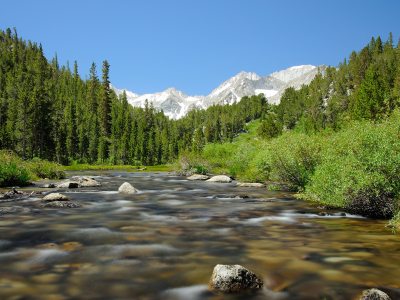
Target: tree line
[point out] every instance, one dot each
(48, 111)
(366, 86)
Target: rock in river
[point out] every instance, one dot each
(127, 188)
(198, 177)
(86, 181)
(220, 178)
(68, 185)
(61, 204)
(54, 197)
(48, 186)
(256, 185)
(234, 278)
(374, 294)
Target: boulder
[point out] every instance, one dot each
(180, 189)
(68, 185)
(54, 197)
(85, 181)
(256, 185)
(374, 294)
(127, 188)
(61, 204)
(220, 178)
(234, 278)
(198, 177)
(48, 186)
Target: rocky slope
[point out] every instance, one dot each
(176, 104)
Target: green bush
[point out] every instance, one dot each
(15, 171)
(361, 166)
(12, 170)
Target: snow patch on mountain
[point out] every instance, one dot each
(175, 104)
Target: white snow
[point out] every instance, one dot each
(267, 93)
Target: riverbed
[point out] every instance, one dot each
(164, 241)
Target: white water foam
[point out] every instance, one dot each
(185, 293)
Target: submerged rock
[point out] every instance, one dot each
(127, 188)
(180, 189)
(55, 197)
(198, 177)
(234, 278)
(8, 209)
(374, 294)
(61, 204)
(246, 184)
(220, 178)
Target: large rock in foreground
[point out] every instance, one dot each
(220, 178)
(374, 294)
(127, 188)
(198, 177)
(234, 278)
(246, 184)
(55, 197)
(61, 204)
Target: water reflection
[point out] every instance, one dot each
(164, 242)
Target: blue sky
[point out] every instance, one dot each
(195, 45)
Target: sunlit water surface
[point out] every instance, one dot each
(163, 243)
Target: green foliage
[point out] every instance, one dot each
(15, 171)
(363, 158)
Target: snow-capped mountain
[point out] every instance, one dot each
(176, 104)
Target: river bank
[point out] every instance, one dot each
(163, 243)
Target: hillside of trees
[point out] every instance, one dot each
(48, 111)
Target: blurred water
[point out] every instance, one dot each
(163, 244)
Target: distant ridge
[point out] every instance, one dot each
(176, 104)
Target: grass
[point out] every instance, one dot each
(78, 167)
(15, 171)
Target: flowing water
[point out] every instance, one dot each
(163, 243)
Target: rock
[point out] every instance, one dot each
(374, 294)
(180, 189)
(234, 278)
(68, 185)
(48, 186)
(127, 188)
(61, 204)
(220, 178)
(246, 184)
(8, 209)
(85, 181)
(54, 197)
(198, 177)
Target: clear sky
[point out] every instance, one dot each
(196, 45)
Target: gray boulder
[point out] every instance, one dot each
(198, 177)
(68, 185)
(48, 186)
(374, 294)
(220, 178)
(246, 184)
(85, 181)
(234, 278)
(127, 188)
(55, 197)
(62, 204)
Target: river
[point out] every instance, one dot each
(163, 243)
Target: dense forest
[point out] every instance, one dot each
(48, 111)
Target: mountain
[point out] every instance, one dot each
(176, 104)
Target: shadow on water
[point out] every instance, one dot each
(163, 243)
